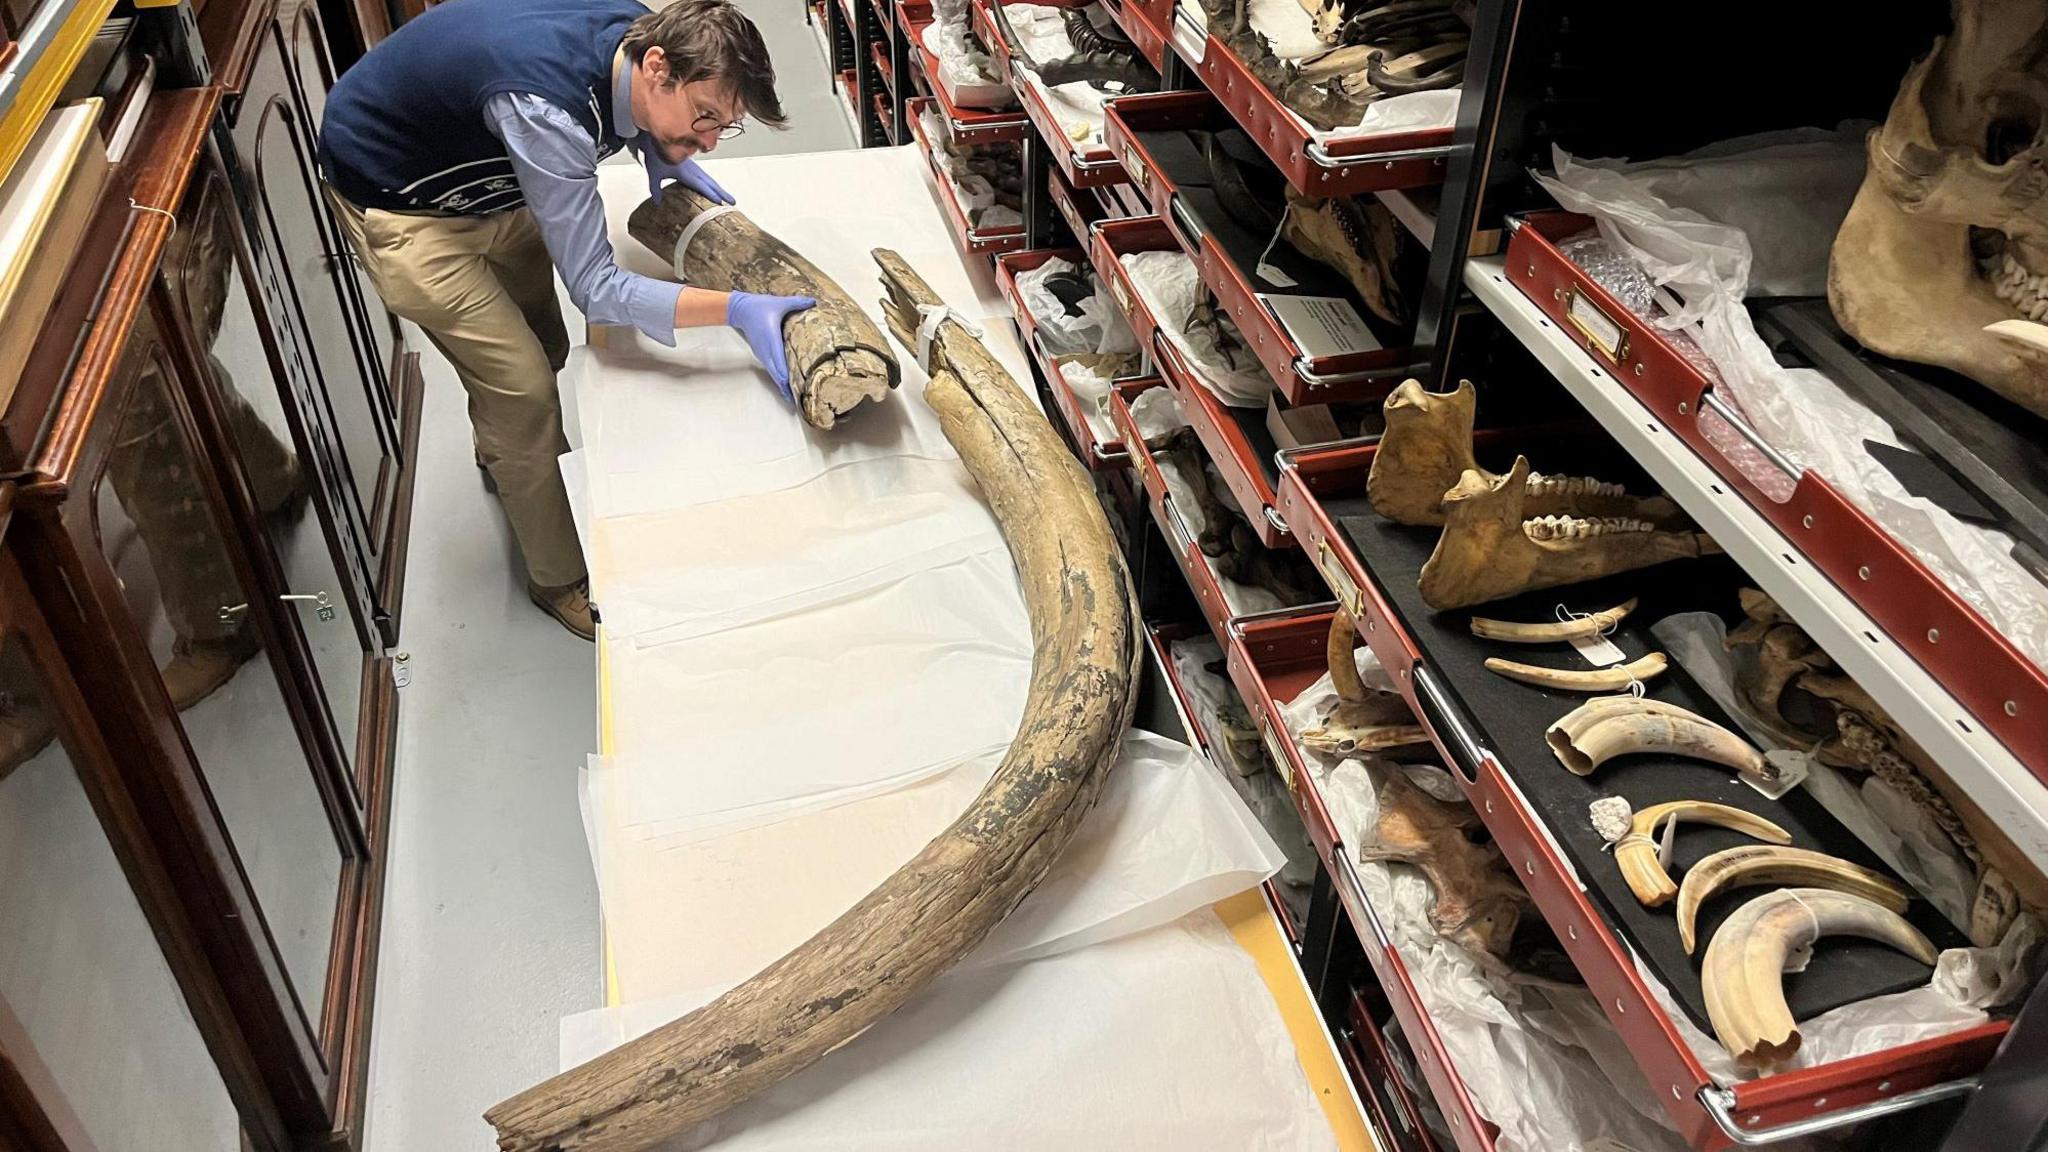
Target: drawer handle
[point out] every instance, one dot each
(1720, 1104)
(1467, 753)
(1602, 332)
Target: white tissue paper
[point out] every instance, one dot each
(1539, 1058)
(1167, 837)
(1097, 1050)
(966, 72)
(1091, 389)
(1902, 834)
(1099, 327)
(1758, 215)
(1170, 286)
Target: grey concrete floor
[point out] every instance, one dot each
(490, 911)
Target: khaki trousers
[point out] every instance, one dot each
(483, 290)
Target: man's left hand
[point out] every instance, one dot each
(759, 319)
(689, 174)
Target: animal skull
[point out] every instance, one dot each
(1489, 551)
(1478, 903)
(1361, 720)
(1428, 445)
(1943, 258)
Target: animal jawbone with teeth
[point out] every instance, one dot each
(1943, 258)
(1427, 446)
(1488, 551)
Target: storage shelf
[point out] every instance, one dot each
(965, 125)
(979, 241)
(2010, 794)
(1340, 168)
(1236, 438)
(1493, 743)
(1100, 455)
(1415, 208)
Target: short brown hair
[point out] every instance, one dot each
(711, 40)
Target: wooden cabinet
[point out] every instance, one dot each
(356, 380)
(210, 530)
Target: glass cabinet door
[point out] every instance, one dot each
(203, 267)
(153, 521)
(91, 1016)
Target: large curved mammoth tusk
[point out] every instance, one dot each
(937, 907)
(1753, 864)
(1743, 975)
(1551, 631)
(1575, 680)
(1636, 853)
(1599, 730)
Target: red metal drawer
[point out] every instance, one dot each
(1347, 378)
(1079, 209)
(1147, 37)
(965, 125)
(2004, 691)
(1272, 659)
(1100, 455)
(1241, 447)
(1194, 564)
(981, 241)
(1602, 958)
(1340, 168)
(1380, 1081)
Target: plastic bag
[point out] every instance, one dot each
(1097, 327)
(1170, 286)
(1759, 215)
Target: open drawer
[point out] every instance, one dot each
(1150, 135)
(2002, 689)
(1237, 438)
(1147, 37)
(964, 124)
(1382, 1067)
(1490, 733)
(1272, 659)
(1180, 537)
(1087, 168)
(1079, 209)
(982, 241)
(1099, 453)
(1341, 167)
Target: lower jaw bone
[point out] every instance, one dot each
(1486, 554)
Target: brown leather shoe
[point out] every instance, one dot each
(199, 667)
(569, 604)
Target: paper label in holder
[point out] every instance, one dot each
(1321, 325)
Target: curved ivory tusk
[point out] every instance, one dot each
(1636, 853)
(1344, 675)
(1600, 730)
(1744, 972)
(1550, 631)
(944, 901)
(1754, 864)
(1573, 680)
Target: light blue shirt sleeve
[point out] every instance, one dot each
(555, 161)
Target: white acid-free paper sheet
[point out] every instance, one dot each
(1164, 1039)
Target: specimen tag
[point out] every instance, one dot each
(1322, 325)
(1599, 651)
(1792, 767)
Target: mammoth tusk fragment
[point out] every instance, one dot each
(1636, 853)
(945, 900)
(1599, 730)
(1744, 972)
(1551, 631)
(1576, 680)
(1753, 864)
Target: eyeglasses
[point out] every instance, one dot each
(725, 131)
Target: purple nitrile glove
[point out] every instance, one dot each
(759, 319)
(689, 174)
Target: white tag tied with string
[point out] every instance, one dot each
(1598, 650)
(690, 233)
(930, 317)
(1267, 271)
